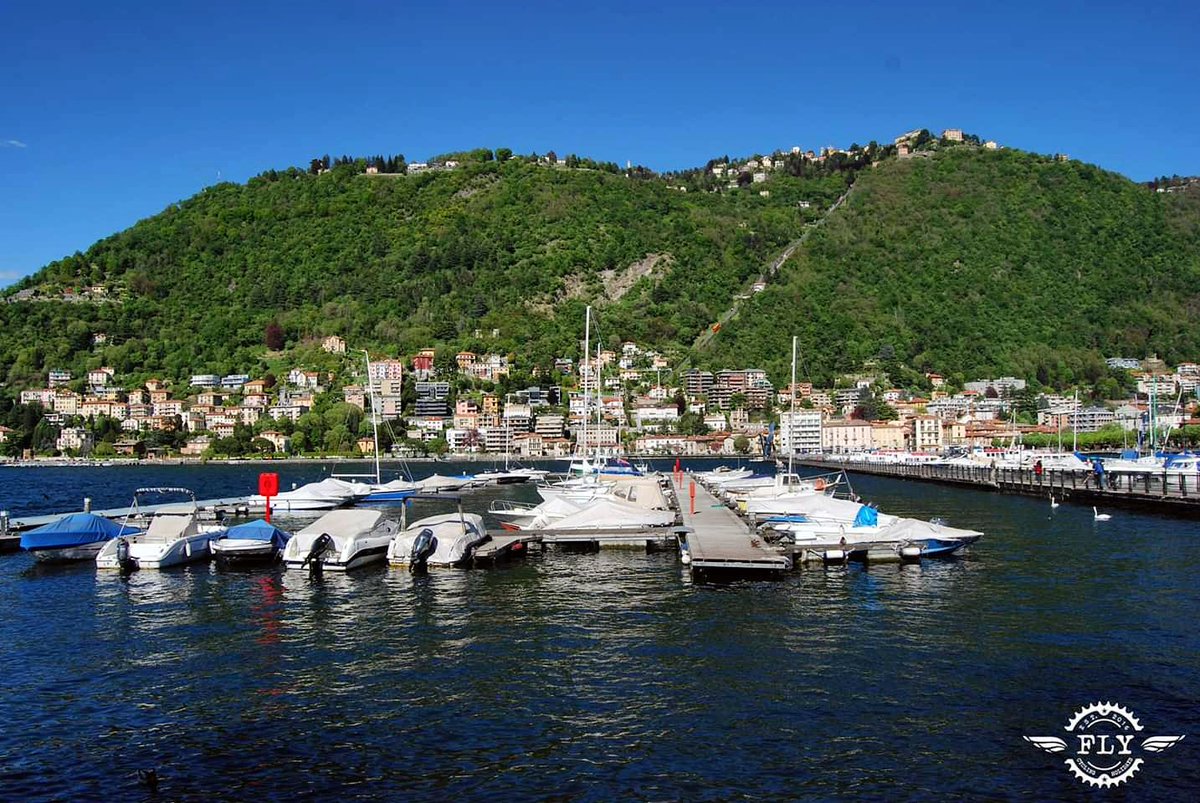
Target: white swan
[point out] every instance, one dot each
(1098, 516)
(1053, 504)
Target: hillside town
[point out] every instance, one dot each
(626, 401)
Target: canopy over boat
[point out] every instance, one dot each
(257, 530)
(74, 530)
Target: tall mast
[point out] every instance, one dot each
(587, 347)
(1075, 423)
(792, 415)
(374, 413)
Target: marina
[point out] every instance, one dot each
(568, 666)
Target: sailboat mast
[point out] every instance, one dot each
(1075, 423)
(792, 414)
(586, 373)
(374, 414)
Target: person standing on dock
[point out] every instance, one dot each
(1098, 465)
(1037, 470)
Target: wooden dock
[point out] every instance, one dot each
(505, 545)
(715, 539)
(1174, 493)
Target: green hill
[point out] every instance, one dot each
(397, 263)
(961, 260)
(982, 262)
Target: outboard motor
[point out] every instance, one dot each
(316, 566)
(422, 548)
(123, 559)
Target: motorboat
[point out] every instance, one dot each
(253, 542)
(394, 491)
(440, 483)
(79, 536)
(341, 540)
(607, 513)
(327, 494)
(499, 477)
(174, 536)
(532, 517)
(444, 540)
(724, 474)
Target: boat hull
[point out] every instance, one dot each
(63, 554)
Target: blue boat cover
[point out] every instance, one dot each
(867, 517)
(257, 530)
(74, 530)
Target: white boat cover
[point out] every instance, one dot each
(456, 536)
(440, 482)
(342, 526)
(609, 513)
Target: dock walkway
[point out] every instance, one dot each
(717, 539)
(1174, 493)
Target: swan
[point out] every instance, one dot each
(1098, 516)
(1053, 504)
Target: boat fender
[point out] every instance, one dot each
(819, 484)
(187, 549)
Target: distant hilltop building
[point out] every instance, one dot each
(953, 134)
(1123, 363)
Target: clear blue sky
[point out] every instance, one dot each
(111, 111)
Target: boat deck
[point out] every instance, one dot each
(718, 540)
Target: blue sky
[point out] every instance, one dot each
(111, 111)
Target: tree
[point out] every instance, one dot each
(274, 336)
(741, 444)
(503, 154)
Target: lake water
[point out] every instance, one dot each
(598, 676)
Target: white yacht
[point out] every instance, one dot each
(444, 540)
(341, 540)
(173, 537)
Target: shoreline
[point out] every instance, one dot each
(78, 462)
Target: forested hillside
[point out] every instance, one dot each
(399, 263)
(983, 263)
(959, 260)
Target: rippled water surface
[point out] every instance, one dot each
(599, 676)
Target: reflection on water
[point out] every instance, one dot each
(601, 676)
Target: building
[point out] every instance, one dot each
(100, 377)
(953, 135)
(74, 439)
(199, 380)
(386, 369)
(549, 426)
(799, 432)
(234, 381)
(58, 377)
(925, 433)
(697, 383)
(849, 435)
(334, 345)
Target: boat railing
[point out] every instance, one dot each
(508, 506)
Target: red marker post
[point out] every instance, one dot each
(692, 493)
(268, 486)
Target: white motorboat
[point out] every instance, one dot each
(607, 513)
(327, 494)
(79, 536)
(341, 540)
(253, 542)
(724, 474)
(440, 483)
(445, 540)
(174, 536)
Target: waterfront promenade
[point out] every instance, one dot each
(1177, 493)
